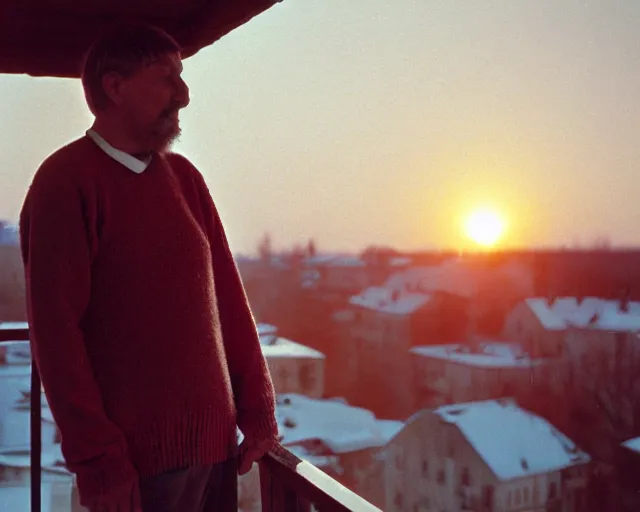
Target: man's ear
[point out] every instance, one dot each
(112, 84)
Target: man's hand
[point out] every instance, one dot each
(252, 451)
(123, 499)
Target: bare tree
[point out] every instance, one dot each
(265, 249)
(312, 249)
(597, 402)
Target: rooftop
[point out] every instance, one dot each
(340, 427)
(335, 260)
(485, 355)
(389, 300)
(20, 458)
(277, 346)
(590, 312)
(514, 443)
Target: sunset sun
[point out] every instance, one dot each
(485, 227)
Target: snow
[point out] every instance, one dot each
(266, 329)
(340, 427)
(335, 260)
(13, 325)
(400, 261)
(633, 444)
(408, 290)
(52, 459)
(287, 348)
(277, 346)
(450, 276)
(514, 443)
(55, 497)
(591, 312)
(487, 355)
(389, 300)
(15, 370)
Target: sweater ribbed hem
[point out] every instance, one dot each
(193, 438)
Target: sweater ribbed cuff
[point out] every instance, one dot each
(94, 484)
(260, 427)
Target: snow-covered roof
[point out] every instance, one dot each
(15, 370)
(633, 444)
(389, 300)
(341, 428)
(400, 261)
(514, 443)
(13, 325)
(9, 234)
(486, 354)
(287, 348)
(266, 329)
(450, 276)
(277, 346)
(590, 312)
(52, 459)
(18, 497)
(23, 409)
(335, 260)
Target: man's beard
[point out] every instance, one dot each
(165, 133)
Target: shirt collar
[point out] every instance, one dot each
(130, 162)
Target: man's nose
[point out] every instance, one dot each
(182, 94)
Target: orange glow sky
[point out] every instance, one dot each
(376, 121)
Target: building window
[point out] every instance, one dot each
(425, 469)
(487, 496)
(465, 478)
(518, 500)
(441, 478)
(398, 500)
(553, 491)
(525, 495)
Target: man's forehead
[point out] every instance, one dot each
(171, 61)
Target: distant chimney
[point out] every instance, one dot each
(270, 339)
(624, 302)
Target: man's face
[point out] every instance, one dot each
(151, 100)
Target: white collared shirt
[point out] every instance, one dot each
(130, 162)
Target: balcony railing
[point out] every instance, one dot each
(287, 483)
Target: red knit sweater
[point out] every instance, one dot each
(141, 329)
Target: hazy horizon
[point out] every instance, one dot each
(373, 122)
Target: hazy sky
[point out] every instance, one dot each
(373, 121)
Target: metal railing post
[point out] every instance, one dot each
(22, 335)
(36, 439)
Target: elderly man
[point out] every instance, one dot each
(141, 329)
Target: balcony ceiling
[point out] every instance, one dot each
(49, 37)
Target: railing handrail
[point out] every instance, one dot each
(288, 483)
(285, 479)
